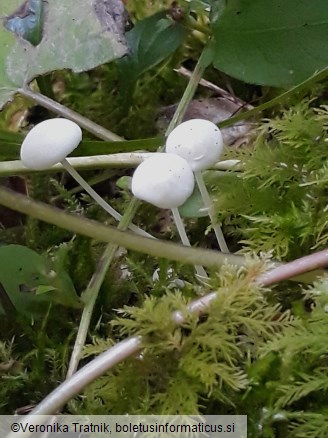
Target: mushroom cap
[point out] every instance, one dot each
(164, 180)
(49, 142)
(198, 141)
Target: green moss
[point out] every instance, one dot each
(278, 203)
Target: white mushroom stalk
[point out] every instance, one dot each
(200, 143)
(49, 143)
(166, 181)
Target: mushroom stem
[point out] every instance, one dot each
(94, 195)
(209, 206)
(184, 239)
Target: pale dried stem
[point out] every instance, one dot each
(121, 160)
(103, 204)
(210, 209)
(184, 239)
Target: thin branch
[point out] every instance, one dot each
(281, 272)
(185, 241)
(295, 268)
(122, 160)
(75, 384)
(103, 233)
(210, 209)
(91, 293)
(100, 201)
(322, 74)
(63, 111)
(189, 91)
(93, 229)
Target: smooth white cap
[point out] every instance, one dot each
(164, 180)
(49, 142)
(198, 141)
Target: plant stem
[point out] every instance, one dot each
(282, 271)
(189, 91)
(279, 99)
(157, 248)
(184, 239)
(57, 108)
(70, 387)
(94, 195)
(209, 206)
(295, 268)
(96, 179)
(104, 233)
(91, 293)
(190, 23)
(124, 160)
(45, 85)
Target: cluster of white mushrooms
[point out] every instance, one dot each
(165, 180)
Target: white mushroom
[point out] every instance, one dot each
(197, 141)
(49, 143)
(164, 180)
(200, 143)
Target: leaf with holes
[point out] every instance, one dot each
(28, 285)
(277, 43)
(38, 36)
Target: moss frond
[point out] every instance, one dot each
(279, 201)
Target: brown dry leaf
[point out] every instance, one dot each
(214, 109)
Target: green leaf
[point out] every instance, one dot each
(7, 42)
(124, 182)
(90, 147)
(150, 42)
(277, 43)
(75, 35)
(10, 144)
(64, 292)
(42, 289)
(194, 206)
(27, 283)
(21, 270)
(11, 137)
